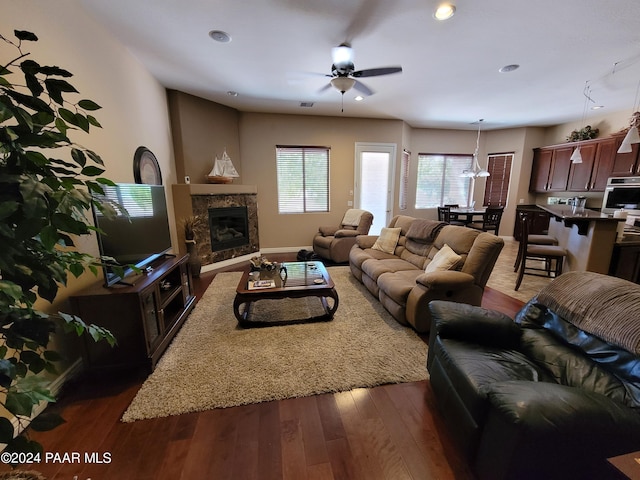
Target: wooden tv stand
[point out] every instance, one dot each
(144, 317)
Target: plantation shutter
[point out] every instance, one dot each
(303, 179)
(497, 187)
(404, 180)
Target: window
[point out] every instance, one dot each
(496, 190)
(303, 179)
(439, 181)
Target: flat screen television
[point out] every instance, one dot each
(137, 239)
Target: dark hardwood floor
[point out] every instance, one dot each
(387, 432)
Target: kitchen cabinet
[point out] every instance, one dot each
(597, 161)
(550, 171)
(144, 317)
(625, 261)
(625, 164)
(580, 173)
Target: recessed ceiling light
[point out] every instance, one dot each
(597, 107)
(231, 93)
(220, 36)
(444, 11)
(509, 68)
(359, 98)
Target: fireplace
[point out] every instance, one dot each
(229, 228)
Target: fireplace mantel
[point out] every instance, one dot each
(213, 189)
(196, 199)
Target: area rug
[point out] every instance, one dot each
(213, 363)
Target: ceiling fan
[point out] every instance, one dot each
(344, 75)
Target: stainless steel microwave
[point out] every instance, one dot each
(622, 192)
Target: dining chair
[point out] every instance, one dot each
(533, 239)
(445, 215)
(551, 255)
(490, 220)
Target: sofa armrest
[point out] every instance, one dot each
(542, 407)
(327, 231)
(547, 430)
(445, 280)
(346, 233)
(366, 241)
(474, 324)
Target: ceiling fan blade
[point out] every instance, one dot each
(325, 88)
(362, 88)
(374, 72)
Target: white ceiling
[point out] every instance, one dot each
(450, 75)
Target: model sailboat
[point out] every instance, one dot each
(223, 170)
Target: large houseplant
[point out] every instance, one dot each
(46, 180)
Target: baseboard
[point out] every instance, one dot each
(55, 387)
(246, 258)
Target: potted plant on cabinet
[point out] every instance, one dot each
(46, 180)
(190, 225)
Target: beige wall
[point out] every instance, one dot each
(201, 131)
(134, 104)
(259, 135)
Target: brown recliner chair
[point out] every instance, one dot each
(334, 243)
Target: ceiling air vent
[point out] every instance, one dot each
(306, 104)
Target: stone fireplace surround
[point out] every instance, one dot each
(196, 199)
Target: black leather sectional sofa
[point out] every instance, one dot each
(551, 394)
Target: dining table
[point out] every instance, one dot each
(466, 214)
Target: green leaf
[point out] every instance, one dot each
(49, 237)
(61, 72)
(46, 421)
(10, 289)
(89, 105)
(93, 121)
(7, 373)
(55, 88)
(92, 171)
(61, 126)
(19, 403)
(78, 156)
(6, 430)
(52, 356)
(24, 35)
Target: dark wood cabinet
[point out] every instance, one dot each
(625, 164)
(625, 262)
(605, 155)
(552, 170)
(144, 317)
(580, 173)
(540, 170)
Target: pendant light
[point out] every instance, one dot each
(632, 134)
(576, 156)
(476, 171)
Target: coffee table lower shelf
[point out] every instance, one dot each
(245, 322)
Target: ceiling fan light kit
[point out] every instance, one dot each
(343, 84)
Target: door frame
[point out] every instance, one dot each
(391, 149)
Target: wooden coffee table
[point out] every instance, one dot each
(292, 280)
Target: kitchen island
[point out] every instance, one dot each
(587, 235)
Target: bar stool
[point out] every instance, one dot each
(532, 239)
(551, 255)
